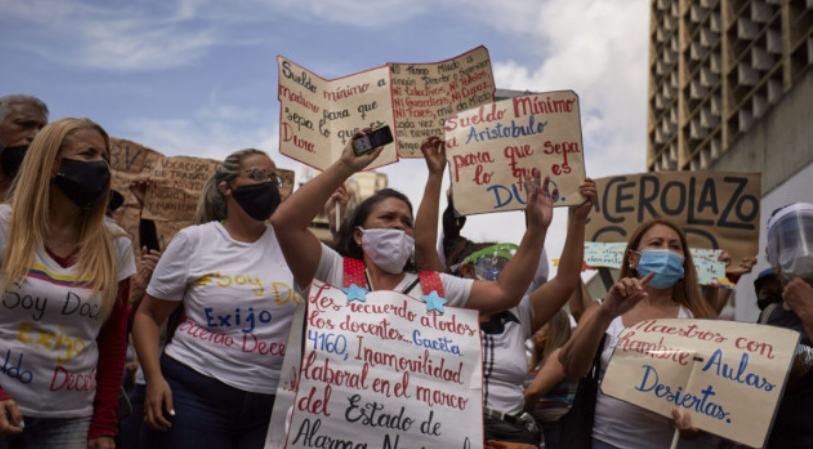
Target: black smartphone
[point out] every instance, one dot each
(378, 136)
(148, 235)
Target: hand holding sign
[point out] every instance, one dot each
(434, 151)
(625, 294)
(587, 189)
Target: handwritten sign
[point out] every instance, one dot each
(710, 270)
(318, 117)
(382, 373)
(728, 375)
(716, 210)
(178, 183)
(493, 150)
(425, 95)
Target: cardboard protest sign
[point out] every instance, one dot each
(318, 117)
(710, 270)
(728, 375)
(425, 95)
(380, 373)
(493, 150)
(716, 210)
(178, 183)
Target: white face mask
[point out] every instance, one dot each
(389, 248)
(795, 262)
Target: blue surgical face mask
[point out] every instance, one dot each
(667, 264)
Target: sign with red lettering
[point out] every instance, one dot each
(494, 149)
(729, 376)
(379, 373)
(425, 95)
(716, 210)
(318, 117)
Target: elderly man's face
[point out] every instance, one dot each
(21, 125)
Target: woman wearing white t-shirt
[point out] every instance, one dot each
(380, 235)
(214, 385)
(65, 285)
(658, 280)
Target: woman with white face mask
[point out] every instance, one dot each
(658, 280)
(380, 235)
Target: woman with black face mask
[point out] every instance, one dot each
(214, 385)
(65, 285)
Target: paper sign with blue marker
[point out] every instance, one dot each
(729, 376)
(379, 369)
(494, 149)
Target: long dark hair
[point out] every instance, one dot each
(346, 244)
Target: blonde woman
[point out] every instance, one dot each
(64, 280)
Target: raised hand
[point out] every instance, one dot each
(625, 294)
(434, 152)
(539, 208)
(358, 163)
(588, 190)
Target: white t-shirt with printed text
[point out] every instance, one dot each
(238, 299)
(48, 331)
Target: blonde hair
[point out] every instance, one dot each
(557, 335)
(212, 203)
(30, 200)
(686, 291)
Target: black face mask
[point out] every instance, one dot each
(84, 183)
(771, 299)
(11, 158)
(258, 200)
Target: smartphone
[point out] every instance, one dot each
(376, 137)
(148, 235)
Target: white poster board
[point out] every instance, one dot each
(383, 373)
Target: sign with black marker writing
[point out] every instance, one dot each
(716, 210)
(493, 150)
(729, 376)
(383, 373)
(425, 95)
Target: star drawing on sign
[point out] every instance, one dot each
(355, 293)
(433, 301)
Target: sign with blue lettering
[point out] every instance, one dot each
(382, 372)
(729, 376)
(716, 210)
(495, 149)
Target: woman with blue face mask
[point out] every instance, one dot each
(658, 280)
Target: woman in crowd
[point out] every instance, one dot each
(657, 280)
(215, 383)
(65, 285)
(380, 234)
(548, 391)
(504, 333)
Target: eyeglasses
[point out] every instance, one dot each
(261, 175)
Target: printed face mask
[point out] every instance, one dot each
(83, 182)
(258, 200)
(668, 266)
(389, 249)
(11, 158)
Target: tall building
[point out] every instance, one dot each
(731, 89)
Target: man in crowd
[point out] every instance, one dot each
(21, 118)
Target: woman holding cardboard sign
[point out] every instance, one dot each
(658, 280)
(215, 384)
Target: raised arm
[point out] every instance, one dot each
(577, 354)
(426, 223)
(301, 248)
(513, 282)
(551, 296)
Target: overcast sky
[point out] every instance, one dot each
(199, 77)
